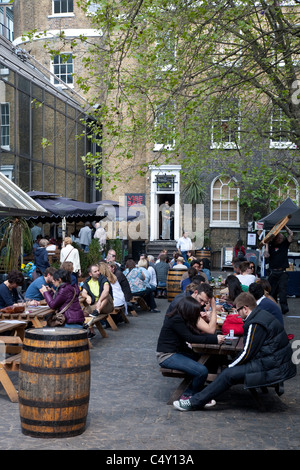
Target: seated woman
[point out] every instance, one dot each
(118, 294)
(180, 328)
(8, 289)
(65, 295)
(136, 280)
(232, 290)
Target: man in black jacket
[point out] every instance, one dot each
(265, 359)
(97, 293)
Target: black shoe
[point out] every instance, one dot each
(91, 335)
(155, 310)
(94, 314)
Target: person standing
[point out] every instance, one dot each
(85, 237)
(41, 259)
(266, 358)
(166, 221)
(277, 253)
(100, 234)
(71, 254)
(184, 245)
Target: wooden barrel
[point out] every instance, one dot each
(54, 382)
(173, 283)
(201, 254)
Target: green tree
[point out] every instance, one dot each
(202, 79)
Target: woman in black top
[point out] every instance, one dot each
(178, 330)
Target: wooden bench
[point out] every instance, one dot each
(120, 311)
(136, 300)
(91, 321)
(10, 363)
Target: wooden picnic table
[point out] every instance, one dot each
(10, 344)
(34, 314)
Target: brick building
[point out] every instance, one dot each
(219, 222)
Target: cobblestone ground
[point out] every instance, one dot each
(128, 403)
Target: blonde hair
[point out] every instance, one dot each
(143, 263)
(67, 265)
(105, 271)
(43, 242)
(68, 241)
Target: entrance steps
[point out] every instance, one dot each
(155, 247)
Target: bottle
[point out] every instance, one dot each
(212, 281)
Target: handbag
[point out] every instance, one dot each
(58, 318)
(235, 323)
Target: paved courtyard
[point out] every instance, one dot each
(128, 403)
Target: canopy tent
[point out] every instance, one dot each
(60, 207)
(14, 202)
(288, 207)
(116, 213)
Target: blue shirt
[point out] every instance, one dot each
(8, 297)
(33, 290)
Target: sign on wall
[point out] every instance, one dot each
(135, 199)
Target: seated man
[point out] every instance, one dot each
(266, 358)
(33, 290)
(8, 289)
(97, 293)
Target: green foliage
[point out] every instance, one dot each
(16, 237)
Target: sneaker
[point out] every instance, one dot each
(185, 397)
(210, 404)
(94, 314)
(183, 405)
(155, 310)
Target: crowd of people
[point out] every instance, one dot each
(191, 317)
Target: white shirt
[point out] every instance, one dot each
(118, 295)
(152, 272)
(69, 253)
(246, 279)
(184, 244)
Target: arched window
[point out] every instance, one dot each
(224, 203)
(289, 188)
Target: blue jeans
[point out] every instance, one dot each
(188, 363)
(227, 378)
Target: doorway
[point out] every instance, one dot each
(161, 199)
(165, 186)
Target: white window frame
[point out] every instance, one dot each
(69, 13)
(62, 83)
(7, 170)
(279, 144)
(215, 144)
(170, 145)
(224, 223)
(286, 194)
(5, 116)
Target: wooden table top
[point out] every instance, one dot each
(234, 348)
(11, 325)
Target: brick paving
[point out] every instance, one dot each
(128, 403)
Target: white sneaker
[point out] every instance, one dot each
(210, 404)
